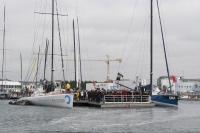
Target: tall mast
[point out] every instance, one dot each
(38, 60)
(151, 44)
(52, 54)
(74, 52)
(61, 52)
(80, 63)
(46, 53)
(3, 57)
(21, 68)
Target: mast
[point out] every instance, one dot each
(151, 45)
(21, 68)
(52, 43)
(61, 52)
(77, 69)
(80, 62)
(74, 53)
(3, 57)
(163, 40)
(45, 60)
(38, 59)
(108, 67)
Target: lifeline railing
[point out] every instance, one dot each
(126, 98)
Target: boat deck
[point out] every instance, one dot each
(117, 101)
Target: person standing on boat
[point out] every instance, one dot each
(119, 76)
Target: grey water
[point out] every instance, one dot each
(35, 119)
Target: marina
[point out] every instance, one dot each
(100, 66)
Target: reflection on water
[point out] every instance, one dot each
(25, 119)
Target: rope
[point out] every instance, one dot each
(123, 54)
(163, 42)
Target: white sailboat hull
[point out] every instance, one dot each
(53, 100)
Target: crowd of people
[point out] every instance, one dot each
(98, 95)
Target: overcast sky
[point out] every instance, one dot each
(119, 28)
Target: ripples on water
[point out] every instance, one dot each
(33, 119)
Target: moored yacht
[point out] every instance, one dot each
(48, 94)
(53, 99)
(168, 98)
(164, 98)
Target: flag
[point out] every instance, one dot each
(173, 78)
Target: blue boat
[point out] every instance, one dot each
(169, 100)
(160, 99)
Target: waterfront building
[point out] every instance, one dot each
(188, 85)
(8, 85)
(180, 84)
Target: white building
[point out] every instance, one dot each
(188, 85)
(180, 84)
(10, 85)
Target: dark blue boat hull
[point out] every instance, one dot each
(165, 100)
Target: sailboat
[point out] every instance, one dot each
(53, 97)
(160, 99)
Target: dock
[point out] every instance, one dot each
(117, 101)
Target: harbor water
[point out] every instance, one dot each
(35, 119)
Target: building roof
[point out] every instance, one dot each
(188, 80)
(10, 83)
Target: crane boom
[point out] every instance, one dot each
(107, 61)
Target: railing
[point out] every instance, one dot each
(126, 98)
